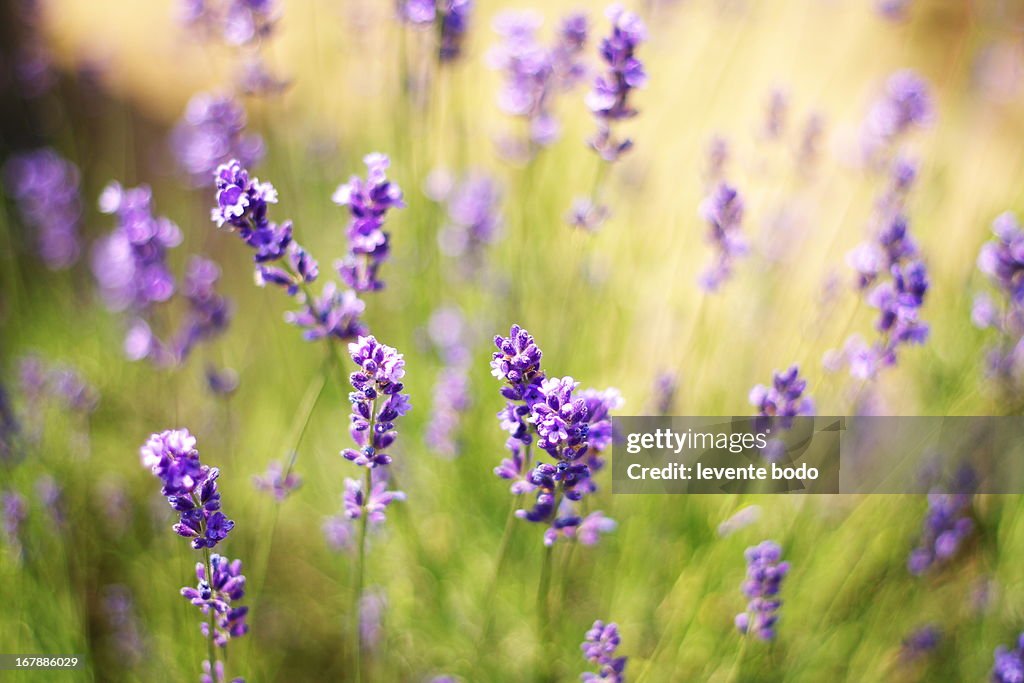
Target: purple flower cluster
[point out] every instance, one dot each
(220, 588)
(905, 104)
(1002, 261)
(535, 74)
(212, 132)
(782, 401)
(572, 427)
(44, 186)
(130, 264)
(14, 512)
(189, 485)
(356, 502)
(208, 312)
(447, 330)
(599, 647)
(450, 18)
(236, 22)
(723, 211)
(39, 381)
(609, 100)
(242, 205)
(377, 401)
(666, 385)
(277, 481)
(473, 221)
(368, 202)
(1009, 663)
(946, 526)
(765, 573)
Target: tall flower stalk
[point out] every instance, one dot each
(191, 490)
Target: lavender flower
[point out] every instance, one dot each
(276, 482)
(1009, 664)
(946, 527)
(571, 428)
(368, 203)
(123, 624)
(587, 214)
(473, 221)
(776, 111)
(717, 156)
(372, 604)
(376, 402)
(765, 573)
(130, 264)
(337, 531)
(599, 647)
(238, 22)
(189, 485)
(417, 12)
(451, 398)
(9, 427)
(782, 401)
(208, 313)
(356, 503)
(453, 19)
(535, 74)
(609, 100)
(906, 104)
(334, 314)
(15, 511)
(45, 187)
(723, 210)
(1002, 261)
(52, 499)
(220, 588)
(920, 642)
(223, 382)
(666, 384)
(212, 132)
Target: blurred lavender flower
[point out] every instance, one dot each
(51, 497)
(208, 313)
(609, 100)
(338, 532)
(276, 482)
(236, 22)
(717, 157)
(535, 74)
(1002, 261)
(810, 142)
(587, 214)
(220, 587)
(453, 17)
(451, 398)
(599, 647)
(782, 401)
(947, 525)
(334, 314)
(765, 573)
(356, 503)
(10, 428)
(920, 642)
(417, 12)
(586, 530)
(368, 203)
(372, 604)
(130, 264)
(666, 384)
(189, 485)
(123, 624)
(212, 132)
(742, 518)
(15, 511)
(45, 186)
(377, 401)
(223, 382)
(1009, 664)
(893, 10)
(905, 104)
(776, 113)
(723, 210)
(473, 221)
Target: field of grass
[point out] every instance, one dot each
(98, 573)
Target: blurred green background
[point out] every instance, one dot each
(613, 308)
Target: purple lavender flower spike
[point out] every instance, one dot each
(947, 525)
(765, 572)
(15, 511)
(130, 264)
(473, 222)
(189, 485)
(276, 482)
(451, 399)
(534, 74)
(417, 12)
(356, 503)
(372, 604)
(368, 203)
(453, 17)
(220, 592)
(334, 314)
(1009, 663)
(784, 399)
(599, 648)
(723, 210)
(248, 21)
(377, 401)
(609, 100)
(210, 133)
(921, 642)
(906, 104)
(1001, 260)
(208, 313)
(666, 385)
(45, 188)
(776, 112)
(338, 533)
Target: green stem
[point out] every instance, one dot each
(361, 558)
(543, 615)
(211, 648)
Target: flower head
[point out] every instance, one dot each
(609, 99)
(723, 211)
(765, 572)
(212, 132)
(220, 592)
(599, 647)
(45, 187)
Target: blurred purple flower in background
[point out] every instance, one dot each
(921, 642)
(473, 222)
(45, 188)
(453, 16)
(123, 624)
(765, 572)
(1009, 663)
(1002, 261)
(723, 211)
(947, 525)
(782, 401)
(372, 605)
(15, 512)
(666, 385)
(599, 648)
(277, 482)
(905, 104)
(534, 74)
(212, 132)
